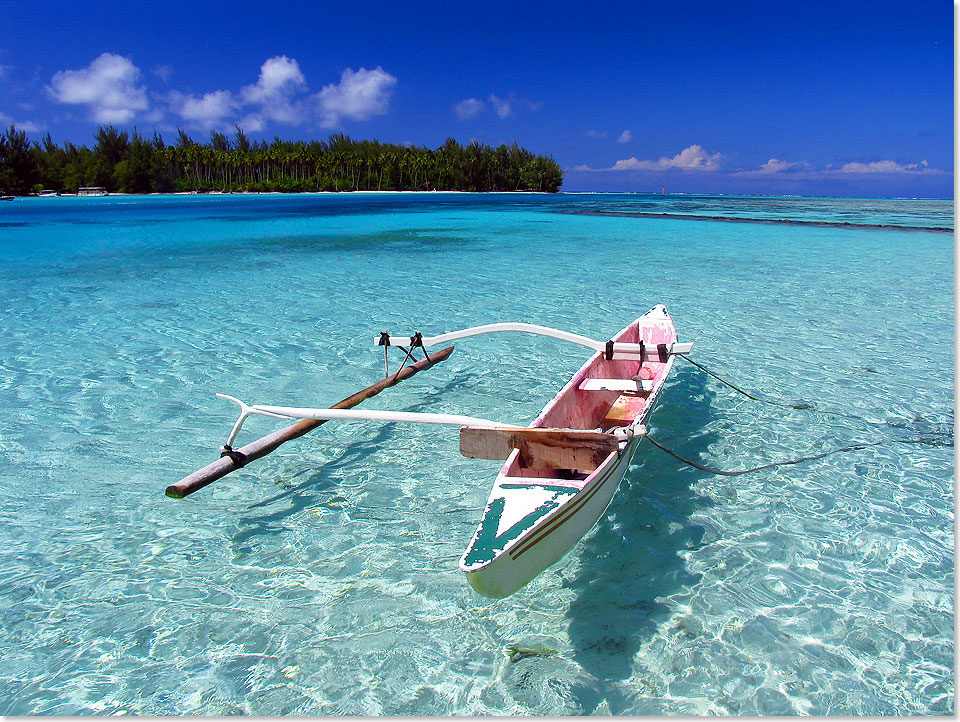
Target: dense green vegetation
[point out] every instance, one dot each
(131, 163)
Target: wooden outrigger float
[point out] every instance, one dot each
(560, 472)
(231, 460)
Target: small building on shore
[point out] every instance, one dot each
(91, 191)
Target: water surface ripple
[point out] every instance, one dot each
(323, 579)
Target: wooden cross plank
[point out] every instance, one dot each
(539, 448)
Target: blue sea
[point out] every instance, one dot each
(323, 579)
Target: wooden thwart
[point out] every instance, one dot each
(539, 448)
(261, 447)
(624, 410)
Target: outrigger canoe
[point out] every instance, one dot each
(560, 472)
(536, 512)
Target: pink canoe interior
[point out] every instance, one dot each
(576, 408)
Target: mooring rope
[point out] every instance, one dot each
(802, 459)
(711, 470)
(813, 457)
(797, 405)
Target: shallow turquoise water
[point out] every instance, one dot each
(323, 579)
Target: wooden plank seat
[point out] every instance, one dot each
(624, 410)
(615, 385)
(539, 448)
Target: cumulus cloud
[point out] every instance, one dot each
(626, 136)
(469, 108)
(279, 82)
(208, 111)
(775, 165)
(163, 72)
(109, 86)
(25, 125)
(885, 166)
(502, 106)
(252, 123)
(280, 78)
(693, 157)
(358, 96)
(802, 170)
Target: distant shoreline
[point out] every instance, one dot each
(290, 193)
(739, 219)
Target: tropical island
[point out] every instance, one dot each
(122, 162)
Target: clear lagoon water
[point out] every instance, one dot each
(323, 579)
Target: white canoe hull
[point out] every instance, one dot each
(532, 519)
(549, 541)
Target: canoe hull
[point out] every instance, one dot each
(549, 541)
(534, 517)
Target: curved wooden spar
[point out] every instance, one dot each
(629, 350)
(261, 447)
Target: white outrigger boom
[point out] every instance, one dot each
(479, 438)
(290, 412)
(613, 350)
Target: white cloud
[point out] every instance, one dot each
(503, 106)
(693, 157)
(163, 72)
(280, 77)
(595, 133)
(252, 123)
(626, 136)
(802, 170)
(108, 86)
(775, 165)
(24, 125)
(208, 111)
(885, 166)
(358, 96)
(111, 88)
(469, 108)
(280, 80)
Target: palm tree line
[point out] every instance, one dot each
(133, 163)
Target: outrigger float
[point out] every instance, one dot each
(559, 472)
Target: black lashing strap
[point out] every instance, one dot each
(608, 351)
(384, 339)
(417, 340)
(238, 458)
(662, 350)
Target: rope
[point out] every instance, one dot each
(813, 457)
(711, 470)
(798, 405)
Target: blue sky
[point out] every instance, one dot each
(812, 98)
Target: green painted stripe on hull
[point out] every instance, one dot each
(488, 544)
(564, 516)
(547, 487)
